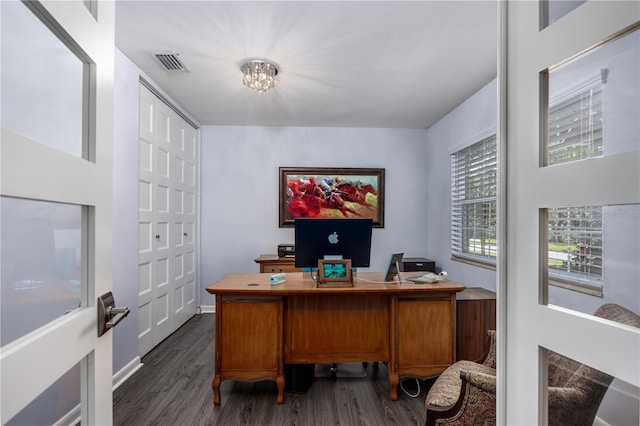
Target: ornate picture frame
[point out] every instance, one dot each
(330, 192)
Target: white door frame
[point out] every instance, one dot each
(32, 363)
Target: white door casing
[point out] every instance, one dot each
(33, 170)
(529, 322)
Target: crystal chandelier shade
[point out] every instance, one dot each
(258, 75)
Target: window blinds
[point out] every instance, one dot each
(473, 201)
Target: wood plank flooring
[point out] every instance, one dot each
(174, 388)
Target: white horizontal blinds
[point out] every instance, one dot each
(473, 201)
(575, 126)
(575, 244)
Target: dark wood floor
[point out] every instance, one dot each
(174, 388)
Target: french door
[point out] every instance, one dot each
(551, 54)
(56, 208)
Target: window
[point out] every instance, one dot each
(473, 202)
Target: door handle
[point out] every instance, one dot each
(108, 315)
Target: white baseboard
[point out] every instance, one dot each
(207, 309)
(599, 422)
(121, 376)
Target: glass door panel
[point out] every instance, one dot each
(594, 104)
(41, 264)
(59, 404)
(43, 84)
(580, 394)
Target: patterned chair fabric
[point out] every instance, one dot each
(465, 393)
(576, 390)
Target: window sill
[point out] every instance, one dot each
(590, 289)
(580, 287)
(475, 262)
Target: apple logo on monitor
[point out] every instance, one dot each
(333, 238)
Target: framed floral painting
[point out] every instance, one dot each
(331, 193)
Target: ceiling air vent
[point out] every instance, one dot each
(170, 61)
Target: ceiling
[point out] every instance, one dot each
(391, 64)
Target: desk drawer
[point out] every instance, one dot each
(279, 267)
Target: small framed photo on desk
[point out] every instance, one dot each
(335, 273)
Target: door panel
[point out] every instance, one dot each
(27, 46)
(60, 402)
(60, 153)
(41, 264)
(531, 324)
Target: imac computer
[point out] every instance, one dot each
(317, 239)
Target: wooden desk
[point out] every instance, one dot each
(259, 328)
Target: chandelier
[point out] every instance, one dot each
(259, 75)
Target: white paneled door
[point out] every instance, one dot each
(56, 209)
(167, 221)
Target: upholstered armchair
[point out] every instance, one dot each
(465, 393)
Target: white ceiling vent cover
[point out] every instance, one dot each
(170, 61)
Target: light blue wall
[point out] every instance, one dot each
(125, 208)
(239, 189)
(462, 126)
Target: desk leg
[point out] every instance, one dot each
(215, 384)
(280, 384)
(393, 385)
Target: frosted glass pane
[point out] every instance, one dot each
(577, 394)
(42, 82)
(594, 248)
(594, 103)
(60, 401)
(41, 264)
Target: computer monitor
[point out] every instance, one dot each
(317, 239)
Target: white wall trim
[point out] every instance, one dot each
(207, 309)
(127, 371)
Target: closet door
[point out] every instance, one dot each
(167, 197)
(184, 243)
